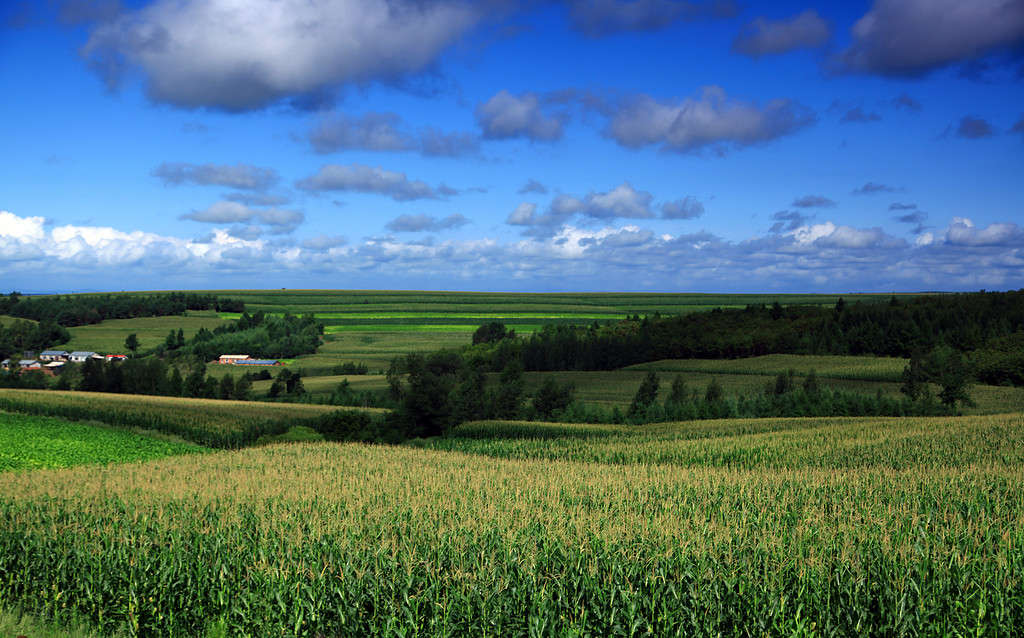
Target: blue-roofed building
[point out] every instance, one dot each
(258, 362)
(53, 355)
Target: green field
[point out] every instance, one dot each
(30, 441)
(208, 422)
(475, 303)
(795, 527)
(830, 366)
(618, 387)
(107, 337)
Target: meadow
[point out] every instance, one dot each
(108, 336)
(31, 441)
(773, 527)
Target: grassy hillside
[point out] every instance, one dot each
(108, 336)
(784, 527)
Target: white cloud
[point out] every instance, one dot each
(245, 55)
(21, 228)
(912, 37)
(826, 256)
(523, 215)
(712, 119)
(230, 212)
(771, 37)
(367, 179)
(506, 116)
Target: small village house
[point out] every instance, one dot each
(230, 359)
(53, 355)
(81, 356)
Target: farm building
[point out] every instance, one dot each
(29, 364)
(5, 364)
(115, 357)
(80, 356)
(55, 366)
(53, 355)
(232, 358)
(258, 362)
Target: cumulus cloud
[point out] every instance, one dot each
(533, 186)
(914, 37)
(524, 215)
(598, 18)
(825, 256)
(242, 176)
(712, 119)
(806, 30)
(871, 188)
(974, 128)
(366, 179)
(240, 56)
(385, 132)
(962, 232)
(372, 132)
(813, 201)
(507, 116)
(858, 115)
(425, 223)
(685, 208)
(228, 212)
(622, 201)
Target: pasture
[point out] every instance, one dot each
(731, 528)
(108, 336)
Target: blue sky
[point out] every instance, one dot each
(579, 145)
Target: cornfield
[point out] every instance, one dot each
(209, 422)
(782, 537)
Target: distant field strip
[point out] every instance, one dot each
(31, 441)
(833, 366)
(759, 444)
(205, 421)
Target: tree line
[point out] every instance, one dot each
(987, 327)
(80, 310)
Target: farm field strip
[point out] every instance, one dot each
(208, 422)
(831, 366)
(512, 316)
(30, 442)
(108, 336)
(760, 444)
(353, 539)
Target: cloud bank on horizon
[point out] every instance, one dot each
(585, 144)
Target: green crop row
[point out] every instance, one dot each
(31, 441)
(346, 540)
(759, 444)
(213, 423)
(830, 366)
